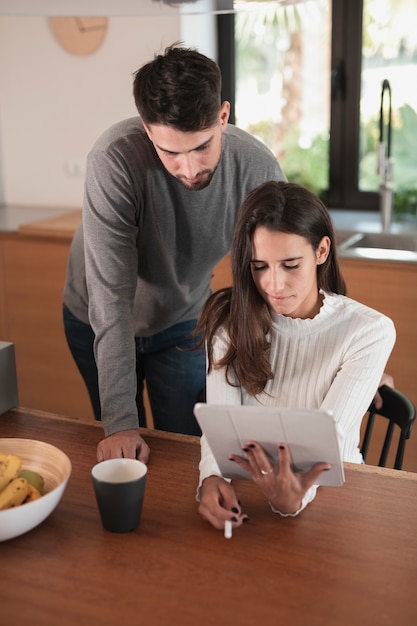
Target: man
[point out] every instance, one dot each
(161, 195)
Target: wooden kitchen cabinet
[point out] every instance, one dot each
(32, 273)
(33, 264)
(391, 288)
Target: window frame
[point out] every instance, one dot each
(346, 67)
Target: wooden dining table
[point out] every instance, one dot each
(349, 558)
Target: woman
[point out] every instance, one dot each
(286, 335)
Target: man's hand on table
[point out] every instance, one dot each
(126, 443)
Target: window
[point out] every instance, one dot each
(307, 79)
(389, 72)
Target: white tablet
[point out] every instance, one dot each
(310, 434)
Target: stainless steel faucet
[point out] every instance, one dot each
(385, 161)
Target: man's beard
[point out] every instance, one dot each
(204, 183)
(201, 184)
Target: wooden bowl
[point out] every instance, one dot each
(53, 465)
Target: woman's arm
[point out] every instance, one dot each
(288, 493)
(356, 381)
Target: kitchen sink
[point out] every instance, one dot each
(391, 241)
(383, 246)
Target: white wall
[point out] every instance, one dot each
(54, 105)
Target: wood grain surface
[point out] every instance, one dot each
(350, 557)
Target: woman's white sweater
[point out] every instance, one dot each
(334, 362)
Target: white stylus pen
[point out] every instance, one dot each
(228, 529)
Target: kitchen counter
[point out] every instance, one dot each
(58, 226)
(13, 218)
(368, 222)
(49, 221)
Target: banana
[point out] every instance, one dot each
(14, 494)
(33, 494)
(17, 486)
(9, 469)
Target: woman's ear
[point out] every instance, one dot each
(323, 250)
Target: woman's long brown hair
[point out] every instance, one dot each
(280, 207)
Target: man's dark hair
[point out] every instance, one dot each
(180, 88)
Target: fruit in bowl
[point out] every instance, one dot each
(17, 485)
(33, 478)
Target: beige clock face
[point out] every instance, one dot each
(79, 35)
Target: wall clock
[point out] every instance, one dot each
(79, 35)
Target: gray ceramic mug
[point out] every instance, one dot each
(119, 486)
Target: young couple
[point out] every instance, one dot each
(162, 194)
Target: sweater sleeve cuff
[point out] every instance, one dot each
(198, 492)
(309, 496)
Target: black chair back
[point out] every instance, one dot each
(399, 411)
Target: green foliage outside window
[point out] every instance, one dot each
(305, 166)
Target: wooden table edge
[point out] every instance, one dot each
(195, 440)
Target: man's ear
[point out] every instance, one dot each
(224, 114)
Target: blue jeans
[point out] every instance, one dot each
(175, 380)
